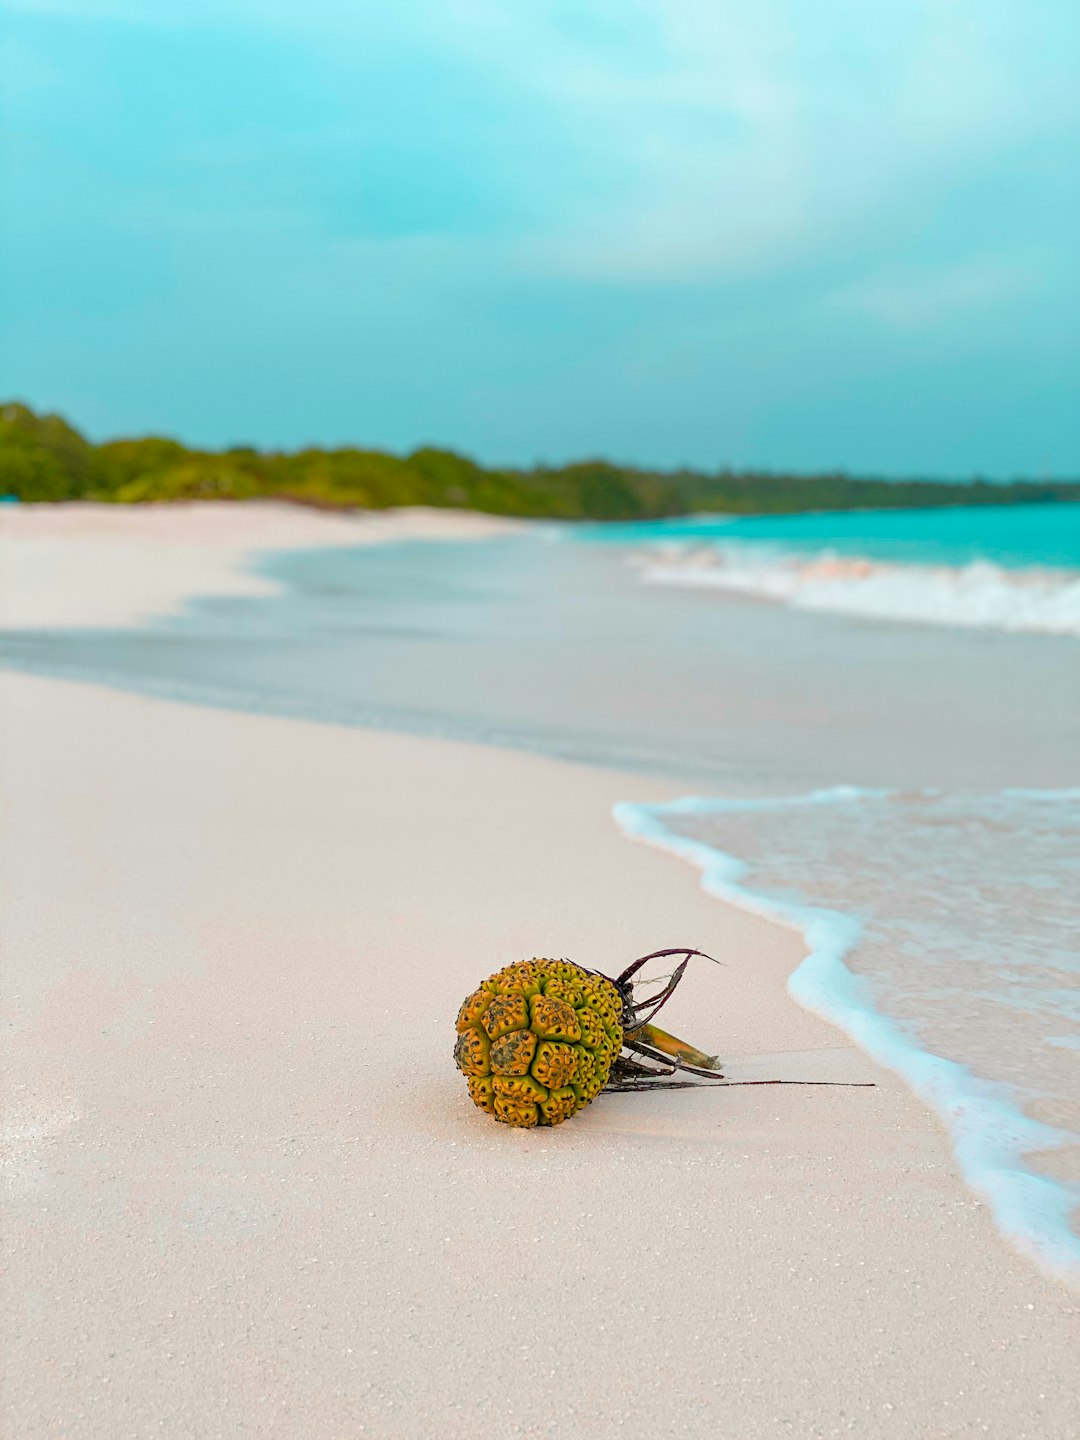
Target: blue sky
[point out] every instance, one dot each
(758, 233)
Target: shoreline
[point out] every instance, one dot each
(80, 565)
(992, 1138)
(238, 943)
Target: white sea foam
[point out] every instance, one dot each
(978, 595)
(991, 1134)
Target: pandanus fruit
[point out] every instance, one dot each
(541, 1039)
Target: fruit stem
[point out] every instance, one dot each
(669, 1045)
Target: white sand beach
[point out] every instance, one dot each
(83, 565)
(245, 1190)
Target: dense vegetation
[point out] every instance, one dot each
(44, 458)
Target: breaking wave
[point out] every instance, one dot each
(979, 595)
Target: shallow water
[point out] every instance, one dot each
(559, 648)
(1014, 568)
(953, 914)
(942, 931)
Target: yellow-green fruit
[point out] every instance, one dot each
(537, 1040)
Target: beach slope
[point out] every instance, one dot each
(246, 1191)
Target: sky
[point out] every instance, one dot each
(795, 234)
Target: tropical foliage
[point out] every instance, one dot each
(43, 458)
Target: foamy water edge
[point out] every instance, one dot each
(980, 595)
(990, 1134)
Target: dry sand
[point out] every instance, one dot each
(246, 1192)
(84, 565)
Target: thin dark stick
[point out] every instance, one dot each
(631, 970)
(655, 1003)
(660, 1083)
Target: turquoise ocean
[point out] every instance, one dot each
(1006, 567)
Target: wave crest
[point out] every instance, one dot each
(979, 595)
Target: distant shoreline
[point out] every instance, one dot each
(43, 458)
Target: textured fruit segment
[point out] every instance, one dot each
(554, 1019)
(559, 1106)
(512, 1112)
(519, 1087)
(600, 1006)
(505, 1013)
(513, 1053)
(524, 978)
(471, 1052)
(472, 1008)
(589, 1084)
(586, 1068)
(592, 1030)
(560, 989)
(537, 1041)
(555, 1065)
(482, 1092)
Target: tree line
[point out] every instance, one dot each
(44, 458)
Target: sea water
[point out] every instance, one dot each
(942, 925)
(902, 786)
(1008, 567)
(942, 937)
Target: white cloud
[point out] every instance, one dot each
(688, 139)
(914, 300)
(754, 140)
